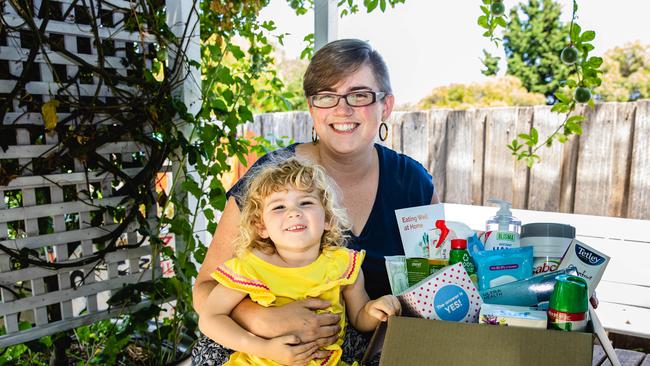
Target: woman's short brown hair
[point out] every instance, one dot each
(338, 59)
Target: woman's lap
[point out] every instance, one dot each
(208, 353)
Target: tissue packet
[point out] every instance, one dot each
(448, 294)
(514, 316)
(588, 262)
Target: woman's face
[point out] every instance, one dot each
(345, 129)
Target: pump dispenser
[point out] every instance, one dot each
(502, 229)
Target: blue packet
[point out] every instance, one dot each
(498, 267)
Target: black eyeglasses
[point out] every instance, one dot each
(360, 98)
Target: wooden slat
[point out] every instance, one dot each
(34, 151)
(58, 27)
(464, 168)
(601, 182)
(438, 148)
(30, 273)
(639, 198)
(89, 90)
(624, 294)
(59, 208)
(55, 58)
(394, 123)
(598, 355)
(521, 174)
(39, 241)
(500, 167)
(37, 118)
(38, 332)
(301, 127)
(63, 179)
(277, 126)
(646, 360)
(627, 358)
(586, 225)
(545, 177)
(415, 137)
(624, 319)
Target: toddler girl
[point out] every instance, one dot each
(291, 248)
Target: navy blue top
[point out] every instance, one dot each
(403, 182)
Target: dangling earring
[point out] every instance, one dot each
(384, 126)
(314, 135)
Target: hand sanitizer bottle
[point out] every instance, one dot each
(502, 229)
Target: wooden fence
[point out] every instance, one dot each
(605, 171)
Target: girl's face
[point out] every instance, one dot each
(294, 220)
(345, 129)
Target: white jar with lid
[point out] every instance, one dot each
(549, 241)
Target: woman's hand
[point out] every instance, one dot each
(300, 319)
(288, 350)
(297, 318)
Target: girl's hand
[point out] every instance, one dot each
(383, 307)
(288, 350)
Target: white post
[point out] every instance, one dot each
(183, 19)
(325, 22)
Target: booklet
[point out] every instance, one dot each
(417, 228)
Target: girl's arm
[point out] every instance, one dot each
(365, 314)
(216, 323)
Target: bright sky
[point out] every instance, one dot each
(430, 43)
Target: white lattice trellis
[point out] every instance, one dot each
(55, 214)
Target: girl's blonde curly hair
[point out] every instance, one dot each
(288, 174)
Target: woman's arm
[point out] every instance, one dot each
(220, 250)
(364, 313)
(297, 318)
(216, 323)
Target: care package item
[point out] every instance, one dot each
(459, 254)
(441, 236)
(498, 267)
(448, 294)
(502, 229)
(569, 304)
(415, 224)
(417, 269)
(588, 262)
(549, 241)
(528, 292)
(513, 316)
(397, 274)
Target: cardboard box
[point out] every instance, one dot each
(416, 341)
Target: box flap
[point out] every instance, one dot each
(413, 341)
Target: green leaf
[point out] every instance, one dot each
(562, 97)
(575, 33)
(370, 4)
(595, 62)
(588, 36)
(236, 51)
(534, 136)
(500, 21)
(576, 119)
(382, 5)
(483, 21)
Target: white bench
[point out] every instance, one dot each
(624, 291)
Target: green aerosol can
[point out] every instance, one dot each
(569, 304)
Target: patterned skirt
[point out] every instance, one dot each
(208, 353)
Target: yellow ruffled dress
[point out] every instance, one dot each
(271, 285)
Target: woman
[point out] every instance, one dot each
(349, 96)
